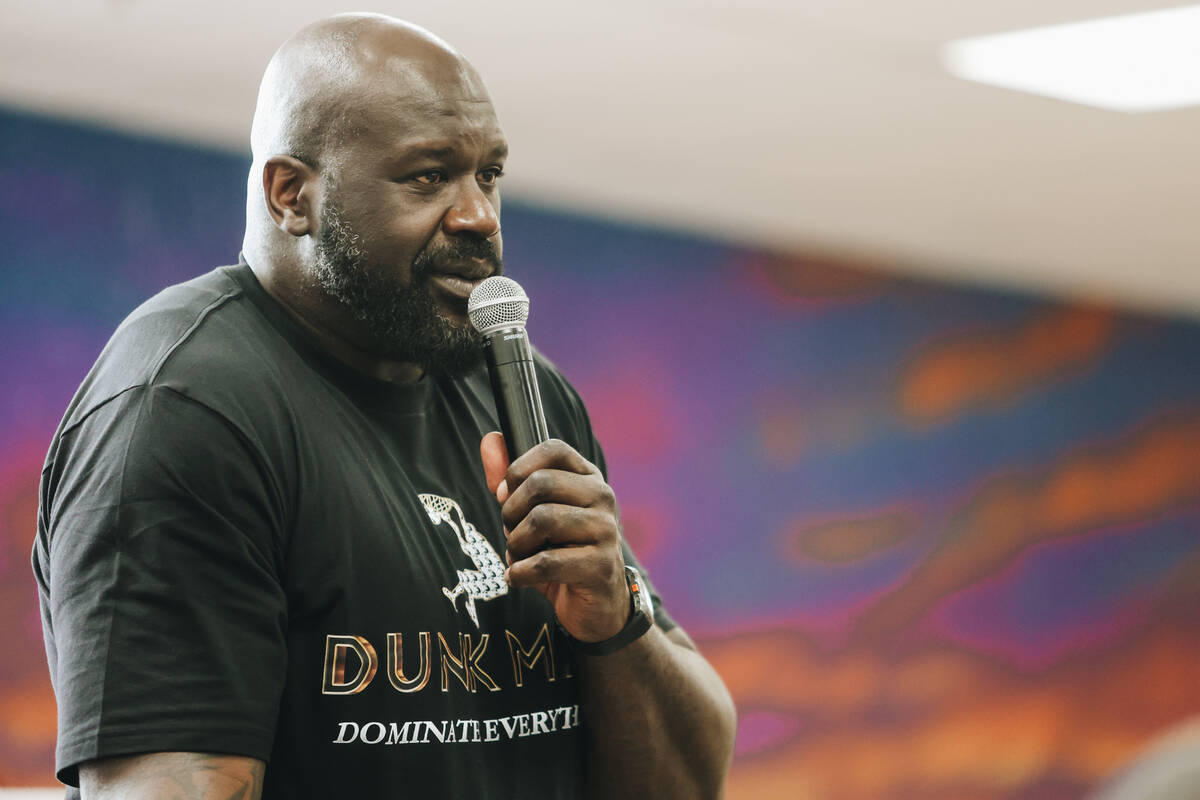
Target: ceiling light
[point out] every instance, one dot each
(1134, 62)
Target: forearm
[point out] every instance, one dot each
(658, 721)
(172, 776)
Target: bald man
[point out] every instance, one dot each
(279, 553)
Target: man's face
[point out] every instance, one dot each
(409, 225)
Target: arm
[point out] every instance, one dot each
(659, 721)
(172, 776)
(165, 616)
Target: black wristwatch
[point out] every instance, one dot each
(641, 618)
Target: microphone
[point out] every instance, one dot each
(498, 308)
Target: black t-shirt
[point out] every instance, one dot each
(246, 547)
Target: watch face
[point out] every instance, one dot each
(641, 594)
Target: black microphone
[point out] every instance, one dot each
(498, 308)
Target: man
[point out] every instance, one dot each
(1168, 768)
(269, 559)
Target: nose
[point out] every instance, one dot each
(472, 213)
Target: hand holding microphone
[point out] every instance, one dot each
(560, 514)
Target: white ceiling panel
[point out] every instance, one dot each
(790, 125)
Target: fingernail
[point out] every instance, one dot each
(506, 580)
(502, 491)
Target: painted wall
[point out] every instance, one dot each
(941, 543)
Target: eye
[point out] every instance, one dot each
(490, 175)
(430, 178)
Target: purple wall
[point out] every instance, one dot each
(940, 542)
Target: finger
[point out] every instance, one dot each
(556, 525)
(550, 454)
(495, 463)
(556, 486)
(584, 567)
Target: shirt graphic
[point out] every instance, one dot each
(486, 581)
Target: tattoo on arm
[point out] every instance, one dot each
(173, 776)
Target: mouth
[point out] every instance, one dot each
(454, 286)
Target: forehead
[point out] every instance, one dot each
(414, 104)
(438, 130)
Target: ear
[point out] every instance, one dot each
(290, 188)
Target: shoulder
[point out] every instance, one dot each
(195, 338)
(551, 378)
(558, 394)
(167, 323)
(196, 373)
(566, 414)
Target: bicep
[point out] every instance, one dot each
(678, 635)
(172, 776)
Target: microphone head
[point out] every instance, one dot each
(498, 302)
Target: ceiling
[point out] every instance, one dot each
(799, 125)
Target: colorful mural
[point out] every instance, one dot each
(940, 542)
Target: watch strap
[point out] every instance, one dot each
(641, 619)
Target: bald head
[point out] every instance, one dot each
(335, 83)
(321, 86)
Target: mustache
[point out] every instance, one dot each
(432, 261)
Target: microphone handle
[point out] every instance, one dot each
(514, 385)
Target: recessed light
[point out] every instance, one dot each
(1134, 62)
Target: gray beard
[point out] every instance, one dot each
(401, 316)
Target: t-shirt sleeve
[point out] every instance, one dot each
(582, 438)
(159, 558)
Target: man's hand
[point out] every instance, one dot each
(563, 536)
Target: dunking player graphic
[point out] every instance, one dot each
(486, 581)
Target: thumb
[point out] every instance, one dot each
(495, 463)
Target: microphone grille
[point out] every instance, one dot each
(498, 302)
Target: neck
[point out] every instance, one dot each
(326, 328)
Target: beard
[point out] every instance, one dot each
(401, 316)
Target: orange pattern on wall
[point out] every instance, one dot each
(993, 367)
